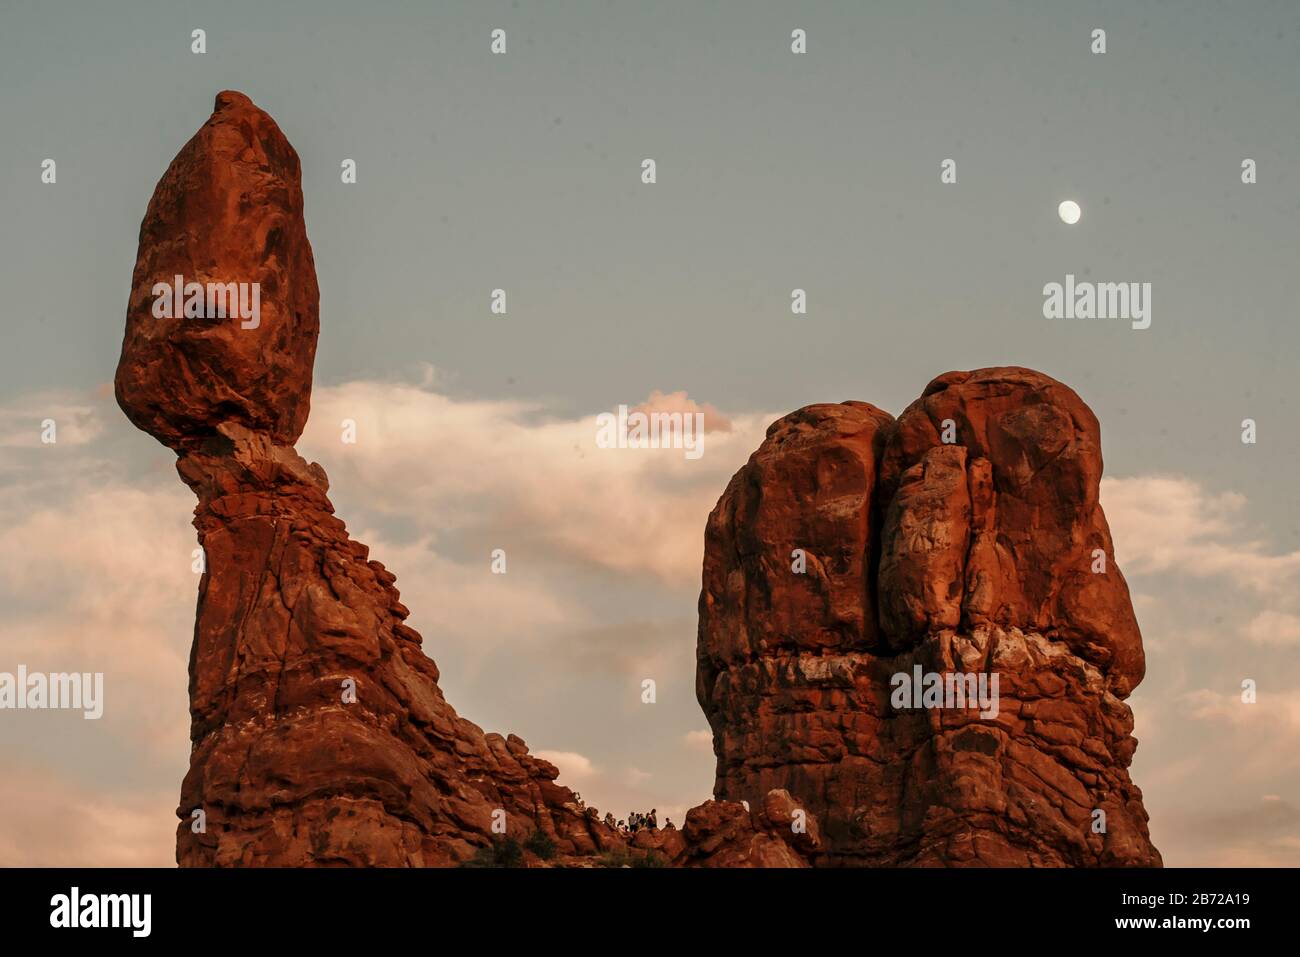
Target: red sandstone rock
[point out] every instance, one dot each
(968, 557)
(228, 209)
(320, 735)
(288, 767)
(776, 832)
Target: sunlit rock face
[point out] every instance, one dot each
(228, 210)
(963, 541)
(319, 733)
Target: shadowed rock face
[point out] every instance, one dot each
(983, 554)
(777, 832)
(319, 734)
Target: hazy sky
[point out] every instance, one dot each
(775, 171)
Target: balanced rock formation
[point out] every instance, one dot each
(856, 564)
(319, 734)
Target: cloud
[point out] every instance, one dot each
(575, 769)
(699, 740)
(1261, 834)
(502, 474)
(53, 821)
(631, 649)
(1262, 737)
(76, 419)
(1274, 628)
(460, 600)
(714, 421)
(102, 582)
(95, 576)
(1173, 524)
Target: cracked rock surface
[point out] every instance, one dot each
(963, 539)
(319, 734)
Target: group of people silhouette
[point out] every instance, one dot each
(636, 820)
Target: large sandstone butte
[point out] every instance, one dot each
(987, 553)
(292, 615)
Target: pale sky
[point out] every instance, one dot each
(775, 171)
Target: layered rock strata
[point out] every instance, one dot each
(319, 733)
(963, 543)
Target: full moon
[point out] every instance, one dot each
(1070, 212)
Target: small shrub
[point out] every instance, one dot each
(504, 852)
(628, 859)
(540, 843)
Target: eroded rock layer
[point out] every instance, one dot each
(319, 734)
(964, 541)
(776, 832)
